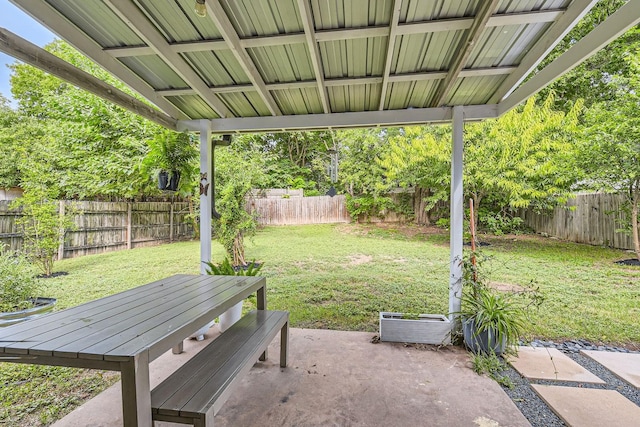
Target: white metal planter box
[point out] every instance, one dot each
(426, 329)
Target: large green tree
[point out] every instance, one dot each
(610, 152)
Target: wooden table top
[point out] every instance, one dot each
(152, 317)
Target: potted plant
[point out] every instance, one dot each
(492, 320)
(171, 155)
(19, 288)
(226, 268)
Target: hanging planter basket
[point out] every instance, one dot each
(168, 181)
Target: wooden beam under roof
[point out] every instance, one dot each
(305, 84)
(44, 13)
(613, 27)
(216, 13)
(31, 54)
(314, 52)
(544, 46)
(464, 49)
(130, 14)
(391, 43)
(450, 24)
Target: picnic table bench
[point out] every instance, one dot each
(195, 392)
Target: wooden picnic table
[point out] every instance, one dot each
(125, 331)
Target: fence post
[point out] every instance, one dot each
(171, 222)
(129, 216)
(61, 241)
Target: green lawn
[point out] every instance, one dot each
(340, 277)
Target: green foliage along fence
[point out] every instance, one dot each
(589, 218)
(110, 226)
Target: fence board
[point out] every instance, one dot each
(300, 210)
(589, 218)
(102, 226)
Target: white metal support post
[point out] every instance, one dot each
(206, 171)
(457, 214)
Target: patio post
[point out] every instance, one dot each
(206, 171)
(456, 214)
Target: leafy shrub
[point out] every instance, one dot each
(18, 282)
(500, 223)
(443, 223)
(368, 206)
(225, 268)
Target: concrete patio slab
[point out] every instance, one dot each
(588, 407)
(341, 378)
(624, 365)
(550, 364)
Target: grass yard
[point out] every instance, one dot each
(340, 277)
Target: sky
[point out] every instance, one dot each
(18, 22)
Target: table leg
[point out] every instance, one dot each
(136, 391)
(262, 305)
(178, 348)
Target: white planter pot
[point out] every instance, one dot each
(230, 316)
(426, 329)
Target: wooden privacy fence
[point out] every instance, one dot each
(593, 220)
(110, 226)
(300, 210)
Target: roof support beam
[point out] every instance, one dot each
(416, 116)
(216, 13)
(614, 26)
(547, 42)
(138, 22)
(31, 54)
(314, 52)
(50, 18)
(393, 29)
(305, 84)
(464, 50)
(521, 18)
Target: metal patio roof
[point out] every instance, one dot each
(302, 64)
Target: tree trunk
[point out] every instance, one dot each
(419, 206)
(635, 195)
(476, 207)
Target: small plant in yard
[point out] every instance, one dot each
(492, 366)
(493, 321)
(18, 282)
(42, 225)
(225, 268)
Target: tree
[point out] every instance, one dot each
(523, 158)
(610, 151)
(99, 147)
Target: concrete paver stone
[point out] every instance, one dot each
(624, 365)
(589, 407)
(550, 364)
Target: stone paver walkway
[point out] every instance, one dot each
(588, 407)
(624, 365)
(550, 364)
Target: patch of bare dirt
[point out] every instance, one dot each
(506, 287)
(359, 259)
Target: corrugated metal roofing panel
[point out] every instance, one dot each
(514, 6)
(155, 72)
(425, 52)
(427, 10)
(288, 63)
(263, 17)
(98, 21)
(410, 94)
(213, 67)
(298, 101)
(474, 90)
(193, 106)
(245, 104)
(353, 58)
(173, 20)
(331, 14)
(354, 97)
